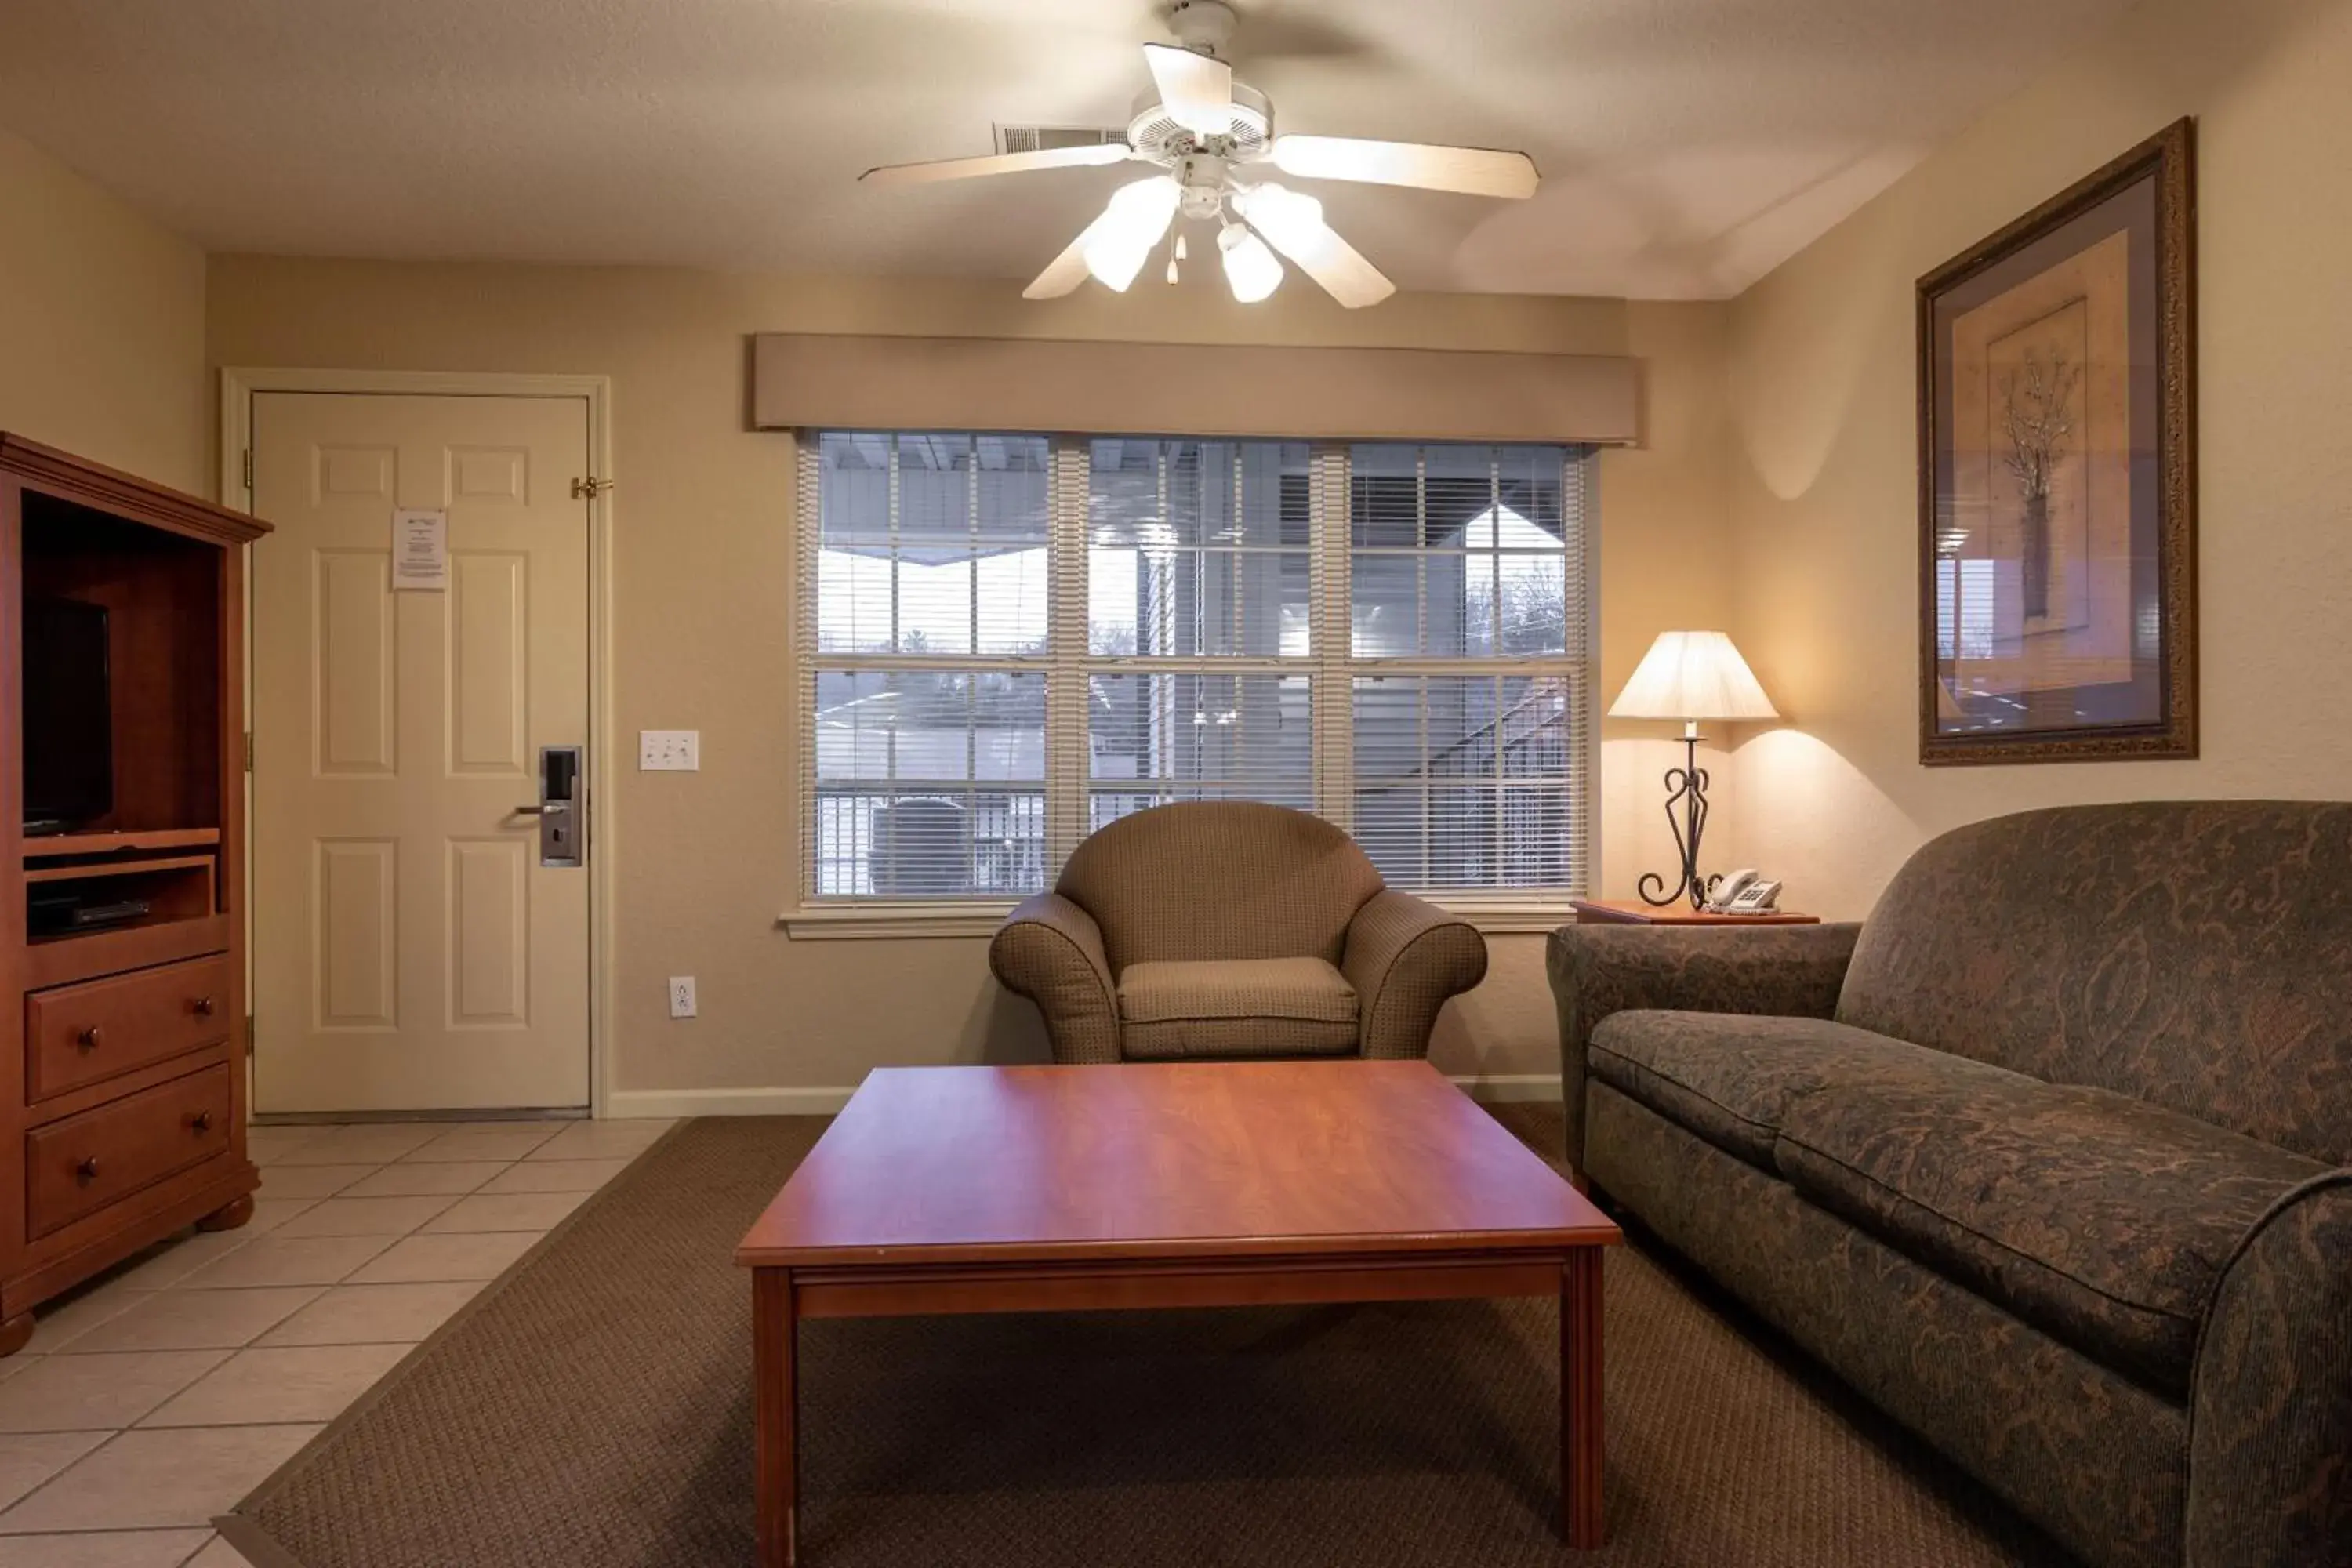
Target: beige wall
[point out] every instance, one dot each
(1823, 452)
(703, 575)
(101, 325)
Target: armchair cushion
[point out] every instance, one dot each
(2102, 1220)
(1730, 1077)
(1236, 1007)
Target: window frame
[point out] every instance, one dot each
(1331, 669)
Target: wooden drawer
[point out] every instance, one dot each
(79, 1165)
(80, 1034)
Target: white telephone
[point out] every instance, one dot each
(1744, 892)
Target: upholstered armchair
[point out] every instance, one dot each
(1232, 928)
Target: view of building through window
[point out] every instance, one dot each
(1394, 635)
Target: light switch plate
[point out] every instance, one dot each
(681, 996)
(669, 751)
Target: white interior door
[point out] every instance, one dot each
(410, 951)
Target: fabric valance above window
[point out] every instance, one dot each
(814, 381)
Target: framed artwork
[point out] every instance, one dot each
(2057, 483)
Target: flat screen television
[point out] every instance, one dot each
(69, 715)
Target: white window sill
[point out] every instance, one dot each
(945, 918)
(1502, 917)
(916, 922)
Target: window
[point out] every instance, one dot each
(1011, 640)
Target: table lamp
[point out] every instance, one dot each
(1689, 676)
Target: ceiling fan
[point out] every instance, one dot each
(1212, 137)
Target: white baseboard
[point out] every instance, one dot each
(622, 1104)
(1504, 1088)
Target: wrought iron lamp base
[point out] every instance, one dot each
(1685, 790)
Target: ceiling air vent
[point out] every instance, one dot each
(1040, 138)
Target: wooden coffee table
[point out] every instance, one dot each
(1166, 1184)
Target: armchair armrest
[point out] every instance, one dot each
(2270, 1406)
(1597, 970)
(1051, 950)
(1405, 956)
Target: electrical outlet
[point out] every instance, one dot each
(681, 996)
(669, 751)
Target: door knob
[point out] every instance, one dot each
(88, 1170)
(88, 1038)
(533, 810)
(201, 1006)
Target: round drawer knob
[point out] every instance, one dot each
(88, 1039)
(201, 1006)
(88, 1170)
(202, 1122)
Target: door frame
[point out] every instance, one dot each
(239, 385)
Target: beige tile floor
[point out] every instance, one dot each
(153, 1398)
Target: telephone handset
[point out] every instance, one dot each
(1744, 892)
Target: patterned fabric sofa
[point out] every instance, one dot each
(2048, 1158)
(1232, 928)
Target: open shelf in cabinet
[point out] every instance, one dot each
(172, 887)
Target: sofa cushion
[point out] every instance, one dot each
(2102, 1220)
(1730, 1077)
(1236, 1007)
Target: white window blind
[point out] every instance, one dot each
(1468, 622)
(1011, 640)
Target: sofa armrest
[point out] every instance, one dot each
(1405, 956)
(2270, 1409)
(1597, 970)
(1051, 950)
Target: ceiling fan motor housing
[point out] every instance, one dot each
(1154, 133)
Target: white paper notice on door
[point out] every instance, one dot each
(420, 549)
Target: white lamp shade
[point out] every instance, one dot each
(1693, 675)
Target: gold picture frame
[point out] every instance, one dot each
(2057, 477)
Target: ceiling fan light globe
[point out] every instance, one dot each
(1287, 217)
(1121, 239)
(1251, 270)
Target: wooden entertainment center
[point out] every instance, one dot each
(123, 940)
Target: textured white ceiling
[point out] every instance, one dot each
(1687, 145)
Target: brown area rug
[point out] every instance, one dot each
(594, 1409)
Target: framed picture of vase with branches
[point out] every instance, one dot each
(2057, 477)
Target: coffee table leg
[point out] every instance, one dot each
(1579, 1398)
(775, 1399)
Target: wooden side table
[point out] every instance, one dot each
(1634, 912)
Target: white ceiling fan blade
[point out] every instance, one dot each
(1066, 271)
(1001, 163)
(1196, 90)
(1293, 223)
(1472, 170)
